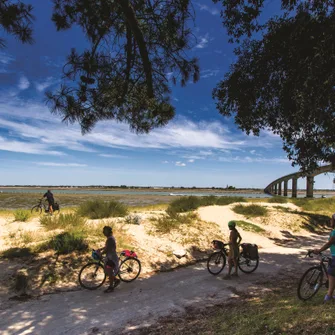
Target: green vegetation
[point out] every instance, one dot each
(276, 313)
(278, 200)
(186, 204)
(250, 210)
(62, 221)
(21, 215)
(326, 205)
(66, 242)
(249, 227)
(97, 209)
(166, 223)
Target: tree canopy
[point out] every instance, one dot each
(16, 19)
(284, 80)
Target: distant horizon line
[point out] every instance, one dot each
(229, 188)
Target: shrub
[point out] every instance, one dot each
(66, 242)
(191, 203)
(184, 204)
(250, 210)
(223, 201)
(278, 200)
(165, 224)
(21, 215)
(249, 227)
(97, 209)
(62, 221)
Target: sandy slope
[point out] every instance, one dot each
(141, 302)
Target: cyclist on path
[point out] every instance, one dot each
(234, 252)
(112, 259)
(51, 201)
(331, 268)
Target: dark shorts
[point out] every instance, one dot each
(51, 202)
(331, 267)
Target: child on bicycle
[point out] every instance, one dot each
(331, 268)
(112, 259)
(234, 252)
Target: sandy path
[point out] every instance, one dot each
(140, 303)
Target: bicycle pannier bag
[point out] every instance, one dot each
(55, 206)
(250, 250)
(217, 244)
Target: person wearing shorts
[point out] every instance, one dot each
(234, 252)
(51, 201)
(331, 268)
(112, 259)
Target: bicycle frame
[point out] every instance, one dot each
(322, 265)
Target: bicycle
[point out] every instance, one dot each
(92, 275)
(217, 260)
(44, 207)
(312, 279)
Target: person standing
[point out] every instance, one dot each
(50, 199)
(331, 268)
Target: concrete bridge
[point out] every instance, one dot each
(280, 185)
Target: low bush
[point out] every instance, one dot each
(186, 204)
(98, 209)
(326, 205)
(21, 215)
(278, 200)
(250, 210)
(62, 221)
(133, 219)
(66, 243)
(165, 224)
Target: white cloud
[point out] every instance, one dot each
(247, 159)
(60, 164)
(203, 41)
(41, 86)
(165, 162)
(26, 147)
(180, 164)
(252, 152)
(23, 83)
(191, 160)
(209, 73)
(210, 10)
(113, 156)
(5, 58)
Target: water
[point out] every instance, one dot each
(140, 192)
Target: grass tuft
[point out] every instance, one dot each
(278, 200)
(172, 221)
(250, 210)
(21, 215)
(187, 204)
(98, 209)
(62, 221)
(250, 227)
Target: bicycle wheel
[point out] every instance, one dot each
(129, 269)
(310, 283)
(92, 276)
(247, 265)
(36, 209)
(216, 262)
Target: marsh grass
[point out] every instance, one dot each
(63, 221)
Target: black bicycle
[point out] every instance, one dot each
(92, 275)
(216, 262)
(313, 278)
(43, 206)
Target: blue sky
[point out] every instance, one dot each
(198, 148)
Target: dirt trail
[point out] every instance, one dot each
(140, 303)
